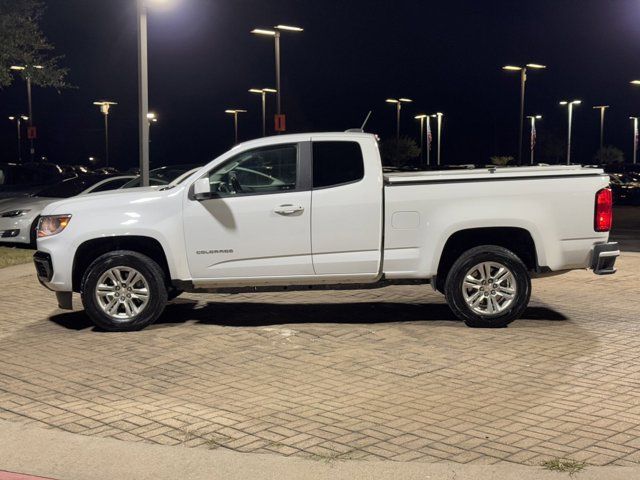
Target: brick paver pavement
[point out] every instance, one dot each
(369, 374)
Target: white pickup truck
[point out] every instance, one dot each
(317, 211)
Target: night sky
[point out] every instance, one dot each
(446, 55)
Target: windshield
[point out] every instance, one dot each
(69, 188)
(161, 176)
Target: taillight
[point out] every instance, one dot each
(604, 211)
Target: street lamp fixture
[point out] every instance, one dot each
(523, 82)
(263, 93)
(275, 33)
(105, 106)
(398, 102)
(235, 112)
(570, 105)
(635, 82)
(152, 117)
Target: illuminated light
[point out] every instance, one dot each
(261, 31)
(635, 82)
(536, 65)
(12, 118)
(270, 90)
(418, 117)
(603, 214)
(406, 100)
(255, 90)
(391, 100)
(511, 68)
(289, 28)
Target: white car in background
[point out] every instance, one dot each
(19, 216)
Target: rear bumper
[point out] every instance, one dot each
(604, 257)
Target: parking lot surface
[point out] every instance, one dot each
(372, 374)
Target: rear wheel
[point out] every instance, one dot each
(124, 290)
(488, 286)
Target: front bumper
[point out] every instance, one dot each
(44, 267)
(604, 257)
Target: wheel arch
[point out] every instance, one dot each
(89, 250)
(518, 240)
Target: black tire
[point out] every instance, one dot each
(472, 258)
(153, 275)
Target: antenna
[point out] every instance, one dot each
(366, 120)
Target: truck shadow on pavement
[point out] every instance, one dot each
(250, 314)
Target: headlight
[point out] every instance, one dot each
(14, 213)
(52, 224)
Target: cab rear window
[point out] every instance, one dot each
(336, 163)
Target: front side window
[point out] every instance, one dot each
(262, 170)
(336, 163)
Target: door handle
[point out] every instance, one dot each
(288, 209)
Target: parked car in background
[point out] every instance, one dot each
(163, 175)
(19, 216)
(106, 171)
(19, 180)
(625, 189)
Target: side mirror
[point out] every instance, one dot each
(202, 189)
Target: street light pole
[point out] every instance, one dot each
(570, 113)
(439, 116)
(32, 150)
(105, 105)
(398, 103)
(421, 117)
(635, 139)
(523, 85)
(429, 140)
(235, 113)
(27, 76)
(18, 119)
(602, 109)
(143, 94)
(534, 134)
(275, 33)
(263, 93)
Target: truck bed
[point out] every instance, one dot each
(488, 174)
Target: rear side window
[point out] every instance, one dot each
(336, 163)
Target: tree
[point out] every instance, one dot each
(398, 153)
(609, 155)
(23, 43)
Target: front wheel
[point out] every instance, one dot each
(488, 286)
(123, 291)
